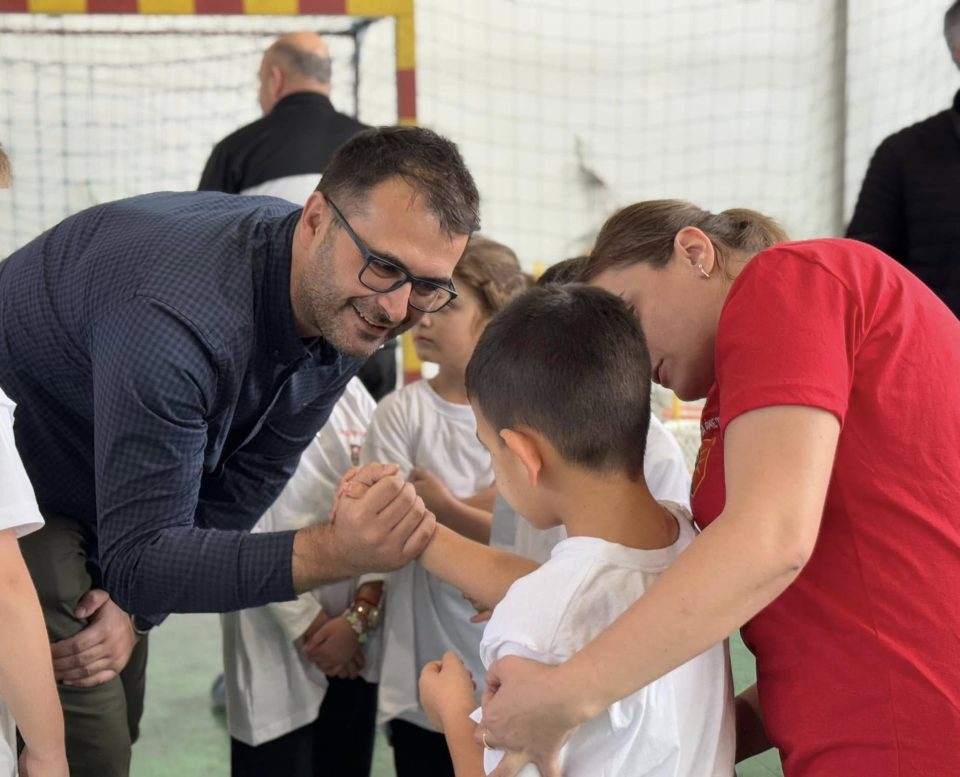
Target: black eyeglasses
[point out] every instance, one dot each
(383, 276)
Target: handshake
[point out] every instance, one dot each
(378, 522)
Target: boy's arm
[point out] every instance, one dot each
(464, 516)
(467, 755)
(481, 572)
(447, 696)
(26, 668)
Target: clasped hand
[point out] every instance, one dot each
(379, 523)
(99, 651)
(332, 646)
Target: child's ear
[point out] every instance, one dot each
(525, 448)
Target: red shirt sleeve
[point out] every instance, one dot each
(787, 335)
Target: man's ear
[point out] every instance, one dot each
(276, 81)
(524, 446)
(314, 216)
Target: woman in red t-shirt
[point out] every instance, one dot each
(828, 486)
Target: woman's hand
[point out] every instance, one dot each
(529, 711)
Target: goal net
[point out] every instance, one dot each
(95, 108)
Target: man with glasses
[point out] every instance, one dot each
(172, 355)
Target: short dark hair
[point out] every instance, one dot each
(571, 363)
(566, 271)
(429, 163)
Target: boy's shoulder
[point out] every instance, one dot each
(529, 618)
(585, 585)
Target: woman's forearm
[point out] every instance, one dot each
(26, 667)
(777, 464)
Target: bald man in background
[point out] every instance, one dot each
(284, 153)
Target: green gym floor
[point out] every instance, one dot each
(182, 737)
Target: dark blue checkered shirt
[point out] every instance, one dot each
(164, 396)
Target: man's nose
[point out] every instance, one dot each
(395, 303)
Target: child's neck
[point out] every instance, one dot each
(614, 509)
(449, 383)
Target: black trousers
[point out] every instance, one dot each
(339, 743)
(418, 752)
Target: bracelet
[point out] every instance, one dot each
(357, 623)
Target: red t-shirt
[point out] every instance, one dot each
(858, 661)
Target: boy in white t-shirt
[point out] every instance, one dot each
(27, 689)
(566, 439)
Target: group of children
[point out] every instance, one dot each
(540, 408)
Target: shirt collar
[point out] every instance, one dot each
(304, 98)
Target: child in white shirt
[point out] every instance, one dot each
(300, 683)
(27, 689)
(566, 440)
(429, 425)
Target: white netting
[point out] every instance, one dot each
(95, 108)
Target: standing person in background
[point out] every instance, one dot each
(827, 488)
(28, 695)
(284, 153)
(909, 205)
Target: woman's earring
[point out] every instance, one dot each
(703, 272)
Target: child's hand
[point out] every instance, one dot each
(357, 481)
(333, 648)
(447, 689)
(435, 495)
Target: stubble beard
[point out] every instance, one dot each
(335, 315)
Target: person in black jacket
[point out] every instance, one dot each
(284, 153)
(909, 205)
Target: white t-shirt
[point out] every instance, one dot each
(425, 617)
(664, 469)
(18, 511)
(681, 725)
(272, 689)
